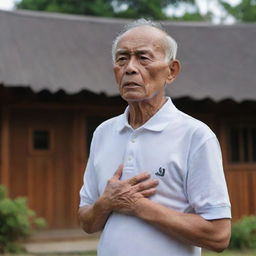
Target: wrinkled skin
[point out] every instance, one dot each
(123, 196)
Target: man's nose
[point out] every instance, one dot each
(131, 67)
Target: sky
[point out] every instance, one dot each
(6, 4)
(204, 5)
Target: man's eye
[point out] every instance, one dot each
(144, 58)
(121, 59)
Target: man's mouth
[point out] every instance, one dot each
(130, 84)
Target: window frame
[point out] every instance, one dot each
(225, 136)
(34, 151)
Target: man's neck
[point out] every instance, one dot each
(141, 111)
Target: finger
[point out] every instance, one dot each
(148, 192)
(117, 175)
(146, 185)
(138, 178)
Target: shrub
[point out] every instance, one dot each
(16, 222)
(243, 234)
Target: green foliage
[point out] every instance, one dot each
(244, 233)
(191, 17)
(143, 8)
(245, 11)
(89, 7)
(16, 221)
(154, 9)
(229, 253)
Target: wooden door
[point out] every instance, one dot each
(47, 159)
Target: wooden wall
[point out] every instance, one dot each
(51, 179)
(4, 147)
(240, 176)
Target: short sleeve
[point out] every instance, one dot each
(205, 185)
(89, 191)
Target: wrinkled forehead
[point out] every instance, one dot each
(143, 37)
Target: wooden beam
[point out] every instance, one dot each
(5, 133)
(79, 138)
(98, 109)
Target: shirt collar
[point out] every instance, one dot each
(156, 123)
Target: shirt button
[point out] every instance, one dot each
(132, 140)
(129, 158)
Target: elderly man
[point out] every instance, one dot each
(154, 181)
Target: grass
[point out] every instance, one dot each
(230, 253)
(91, 253)
(88, 253)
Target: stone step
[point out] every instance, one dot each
(60, 241)
(61, 246)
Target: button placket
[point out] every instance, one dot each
(131, 152)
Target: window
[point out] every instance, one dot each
(242, 144)
(41, 139)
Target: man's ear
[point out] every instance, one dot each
(174, 68)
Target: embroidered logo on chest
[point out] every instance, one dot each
(160, 172)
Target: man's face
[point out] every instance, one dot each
(140, 68)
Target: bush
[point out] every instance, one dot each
(243, 234)
(16, 222)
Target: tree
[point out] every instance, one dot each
(244, 11)
(89, 7)
(155, 9)
(196, 16)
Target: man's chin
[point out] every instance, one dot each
(133, 98)
(137, 97)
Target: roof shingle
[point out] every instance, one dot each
(57, 51)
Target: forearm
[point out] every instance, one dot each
(93, 217)
(191, 228)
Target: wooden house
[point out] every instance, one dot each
(56, 86)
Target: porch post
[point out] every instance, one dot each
(4, 169)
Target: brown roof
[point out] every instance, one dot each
(56, 51)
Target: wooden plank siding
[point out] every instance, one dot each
(241, 184)
(4, 148)
(79, 161)
(241, 177)
(51, 179)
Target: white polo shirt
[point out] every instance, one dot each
(180, 151)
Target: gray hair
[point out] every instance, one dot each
(171, 45)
